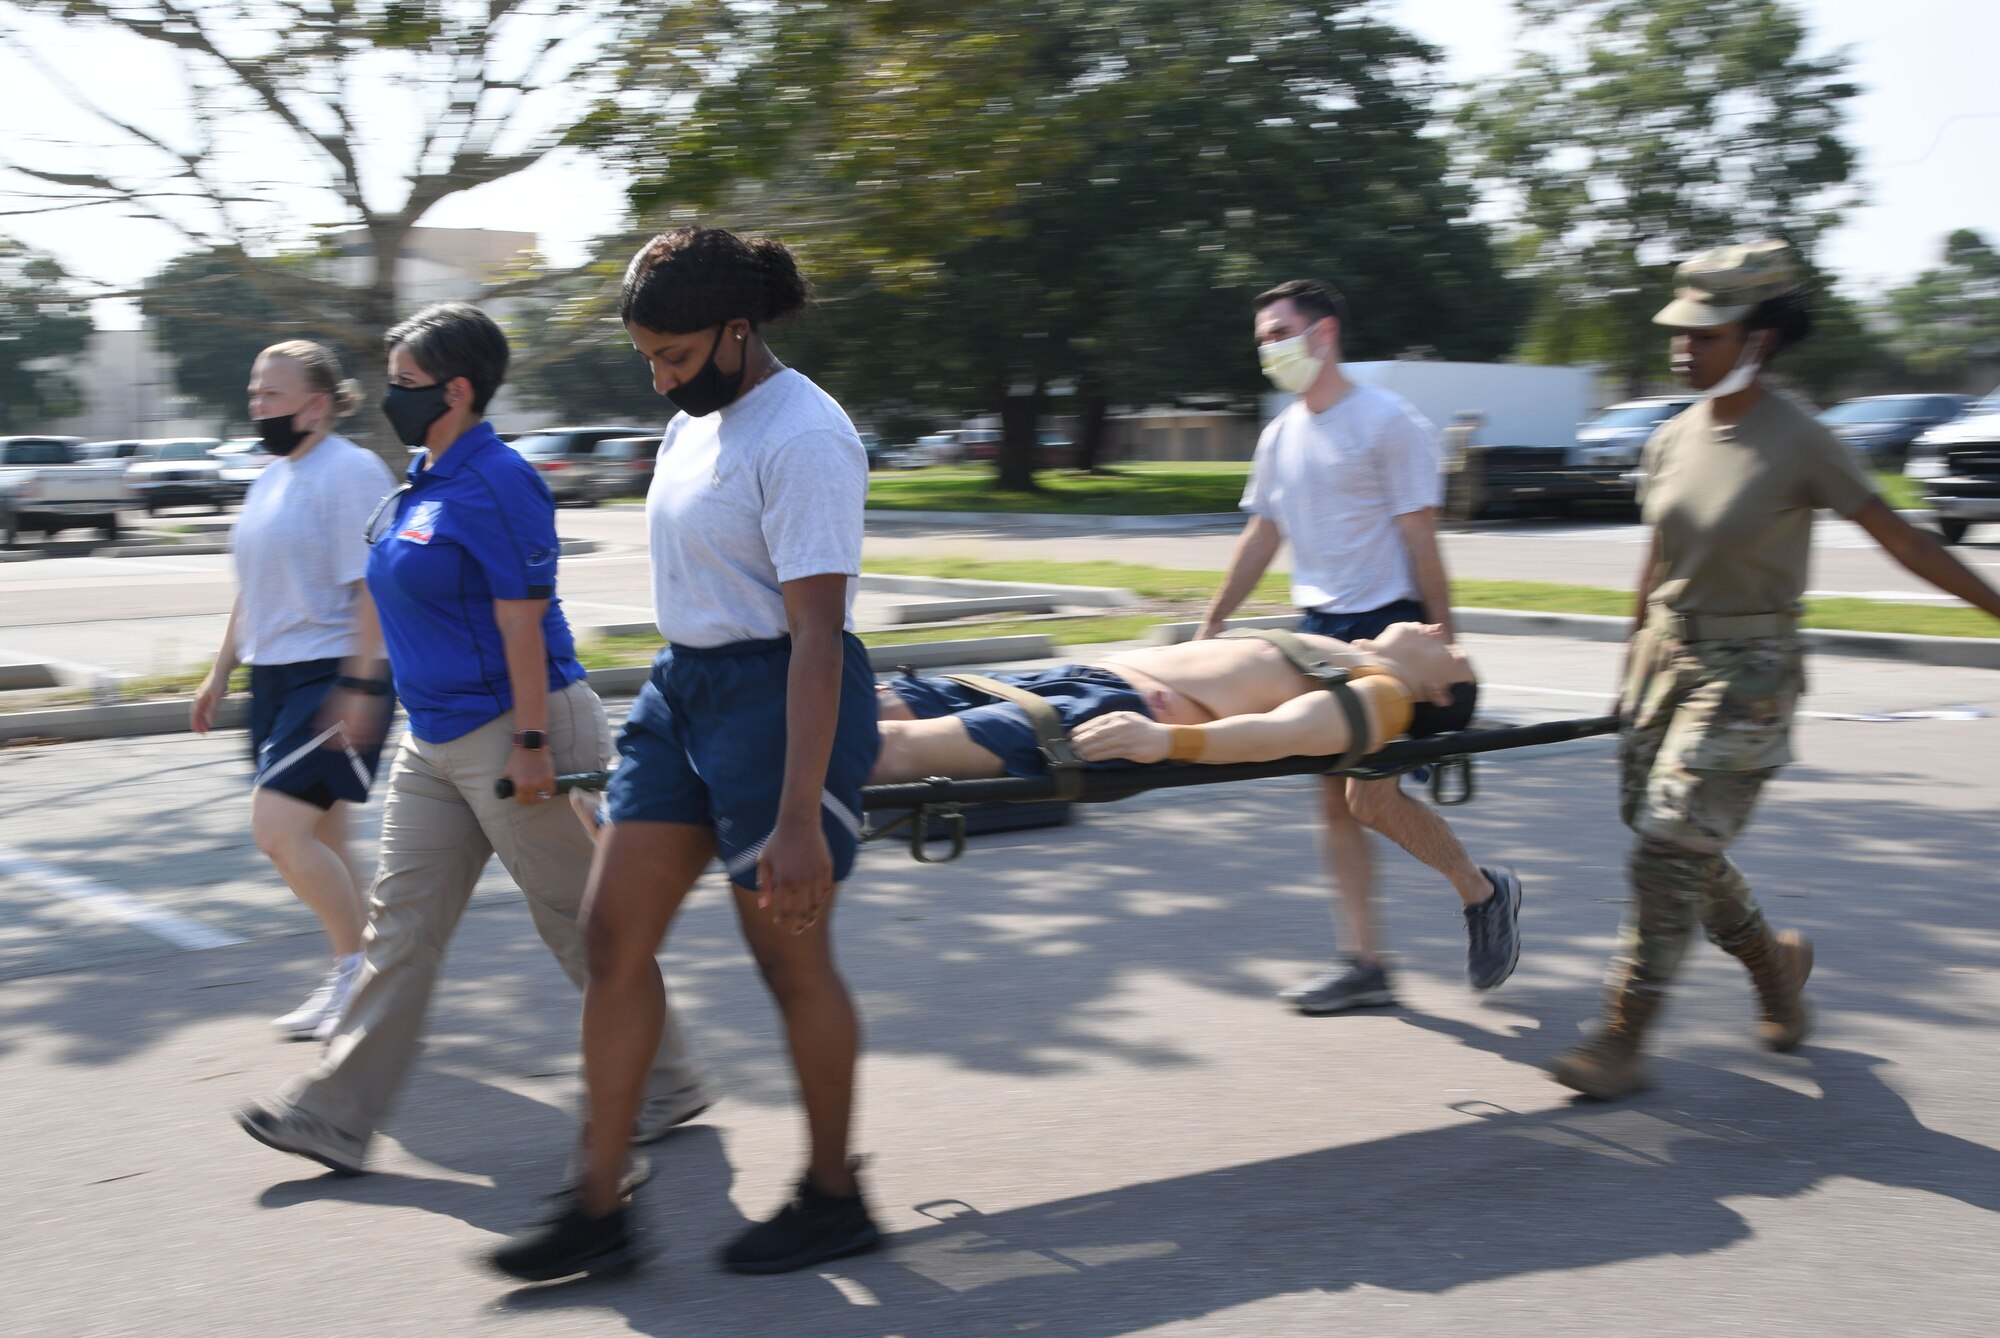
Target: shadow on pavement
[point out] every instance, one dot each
(1008, 960)
(1502, 1194)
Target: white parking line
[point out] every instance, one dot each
(113, 904)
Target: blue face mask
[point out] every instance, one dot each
(412, 409)
(708, 389)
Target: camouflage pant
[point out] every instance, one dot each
(1706, 725)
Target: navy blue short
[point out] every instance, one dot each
(705, 745)
(1362, 626)
(1079, 692)
(294, 753)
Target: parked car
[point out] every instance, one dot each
(939, 448)
(565, 458)
(878, 451)
(1880, 428)
(107, 454)
(623, 466)
(177, 472)
(1959, 465)
(979, 443)
(1606, 456)
(242, 460)
(44, 488)
(1053, 450)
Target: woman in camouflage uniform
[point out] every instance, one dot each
(1715, 666)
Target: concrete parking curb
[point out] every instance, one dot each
(1950, 652)
(952, 587)
(1202, 520)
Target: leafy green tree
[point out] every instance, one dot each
(42, 320)
(1947, 322)
(1657, 128)
(455, 96)
(215, 311)
(1082, 196)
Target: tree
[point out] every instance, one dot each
(571, 355)
(486, 89)
(213, 319)
(1659, 128)
(1947, 321)
(42, 320)
(1083, 196)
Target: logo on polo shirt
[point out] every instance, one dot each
(421, 523)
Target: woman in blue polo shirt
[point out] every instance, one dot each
(462, 567)
(751, 741)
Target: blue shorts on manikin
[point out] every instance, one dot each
(705, 745)
(1362, 626)
(1078, 692)
(294, 753)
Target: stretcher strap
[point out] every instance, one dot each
(1331, 677)
(1051, 736)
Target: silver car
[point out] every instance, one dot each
(177, 472)
(566, 458)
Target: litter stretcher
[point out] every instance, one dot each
(940, 805)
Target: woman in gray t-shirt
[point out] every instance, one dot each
(303, 624)
(750, 742)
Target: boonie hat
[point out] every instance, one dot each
(1722, 284)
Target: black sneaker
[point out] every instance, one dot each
(811, 1229)
(569, 1243)
(1361, 985)
(1494, 927)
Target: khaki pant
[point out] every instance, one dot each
(440, 823)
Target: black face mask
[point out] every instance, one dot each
(412, 409)
(278, 434)
(708, 389)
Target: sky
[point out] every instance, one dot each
(1926, 127)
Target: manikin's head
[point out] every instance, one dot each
(1437, 673)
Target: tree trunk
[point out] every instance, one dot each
(1020, 416)
(1093, 427)
(375, 311)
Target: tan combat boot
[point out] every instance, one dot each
(1779, 965)
(1608, 1066)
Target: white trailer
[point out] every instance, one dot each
(1519, 405)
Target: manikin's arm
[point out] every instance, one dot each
(1312, 725)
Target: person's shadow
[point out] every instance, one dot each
(1496, 1195)
(479, 1131)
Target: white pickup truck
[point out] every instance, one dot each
(43, 488)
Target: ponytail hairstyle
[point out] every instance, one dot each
(694, 277)
(322, 372)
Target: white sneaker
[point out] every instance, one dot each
(344, 978)
(304, 1020)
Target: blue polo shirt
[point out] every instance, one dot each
(477, 526)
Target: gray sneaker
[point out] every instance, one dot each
(1494, 928)
(285, 1127)
(661, 1115)
(1360, 985)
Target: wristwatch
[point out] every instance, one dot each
(373, 687)
(534, 740)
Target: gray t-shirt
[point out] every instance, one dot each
(763, 491)
(300, 553)
(1733, 505)
(1334, 483)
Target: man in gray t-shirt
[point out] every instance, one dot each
(1349, 475)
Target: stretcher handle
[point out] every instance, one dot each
(579, 780)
